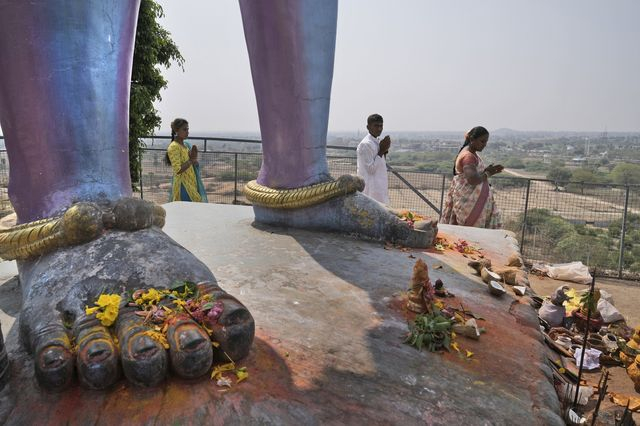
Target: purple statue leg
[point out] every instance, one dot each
(65, 73)
(64, 97)
(291, 46)
(291, 49)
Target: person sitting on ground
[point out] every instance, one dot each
(186, 183)
(372, 166)
(469, 201)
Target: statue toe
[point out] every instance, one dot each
(191, 351)
(144, 359)
(97, 362)
(54, 360)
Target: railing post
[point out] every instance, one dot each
(205, 145)
(235, 179)
(623, 231)
(140, 156)
(442, 196)
(524, 219)
(414, 189)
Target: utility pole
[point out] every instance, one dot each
(587, 148)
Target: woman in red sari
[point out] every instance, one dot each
(470, 200)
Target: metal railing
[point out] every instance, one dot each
(594, 223)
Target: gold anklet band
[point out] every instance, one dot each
(302, 197)
(81, 223)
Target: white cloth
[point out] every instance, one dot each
(591, 358)
(373, 169)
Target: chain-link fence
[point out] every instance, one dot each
(594, 223)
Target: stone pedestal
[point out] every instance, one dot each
(329, 339)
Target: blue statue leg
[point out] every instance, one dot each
(291, 50)
(66, 68)
(291, 46)
(65, 72)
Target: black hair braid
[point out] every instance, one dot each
(167, 161)
(467, 141)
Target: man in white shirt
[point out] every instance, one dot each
(372, 166)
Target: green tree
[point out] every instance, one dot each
(581, 176)
(559, 175)
(553, 227)
(514, 163)
(588, 249)
(615, 227)
(584, 175)
(153, 48)
(536, 166)
(626, 174)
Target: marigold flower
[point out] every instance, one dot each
(107, 309)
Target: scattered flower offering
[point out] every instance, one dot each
(159, 306)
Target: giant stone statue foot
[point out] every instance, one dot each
(65, 342)
(353, 214)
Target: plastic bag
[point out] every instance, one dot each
(604, 294)
(584, 393)
(552, 314)
(609, 312)
(573, 271)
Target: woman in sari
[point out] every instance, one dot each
(186, 184)
(470, 200)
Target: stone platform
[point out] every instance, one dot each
(329, 339)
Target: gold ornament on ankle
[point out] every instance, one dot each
(302, 197)
(81, 223)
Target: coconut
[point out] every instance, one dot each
(488, 275)
(496, 288)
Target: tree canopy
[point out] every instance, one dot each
(626, 174)
(559, 175)
(153, 48)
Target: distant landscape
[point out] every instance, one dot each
(575, 204)
(559, 156)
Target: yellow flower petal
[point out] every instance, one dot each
(219, 369)
(241, 374)
(152, 296)
(106, 318)
(91, 311)
(103, 300)
(455, 346)
(469, 354)
(158, 337)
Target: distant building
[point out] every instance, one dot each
(578, 161)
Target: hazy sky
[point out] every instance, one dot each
(430, 65)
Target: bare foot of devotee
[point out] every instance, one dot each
(354, 213)
(130, 301)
